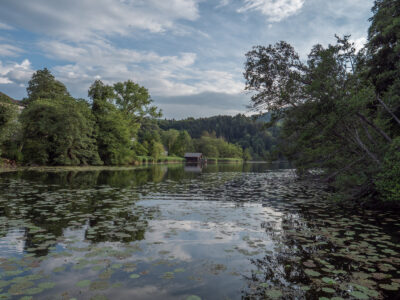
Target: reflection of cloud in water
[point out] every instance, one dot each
(145, 292)
(188, 226)
(13, 242)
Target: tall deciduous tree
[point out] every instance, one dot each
(112, 126)
(8, 115)
(134, 101)
(59, 132)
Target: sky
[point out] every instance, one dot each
(189, 54)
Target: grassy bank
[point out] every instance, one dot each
(162, 159)
(224, 160)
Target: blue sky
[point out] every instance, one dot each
(189, 53)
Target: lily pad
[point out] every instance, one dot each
(328, 290)
(83, 283)
(312, 273)
(328, 280)
(274, 294)
(193, 297)
(359, 295)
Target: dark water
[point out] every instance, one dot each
(173, 232)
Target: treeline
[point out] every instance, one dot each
(340, 108)
(117, 127)
(248, 132)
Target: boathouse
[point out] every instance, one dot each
(194, 157)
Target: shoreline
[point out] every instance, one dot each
(111, 168)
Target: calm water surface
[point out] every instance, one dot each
(173, 232)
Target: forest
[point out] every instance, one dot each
(248, 132)
(118, 126)
(340, 108)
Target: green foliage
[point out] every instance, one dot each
(383, 36)
(8, 115)
(247, 155)
(169, 138)
(59, 132)
(43, 85)
(250, 133)
(340, 109)
(156, 150)
(135, 101)
(112, 126)
(388, 180)
(182, 144)
(214, 147)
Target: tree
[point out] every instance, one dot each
(43, 85)
(135, 101)
(59, 132)
(183, 144)
(247, 155)
(156, 150)
(8, 116)
(169, 138)
(383, 49)
(324, 105)
(113, 133)
(209, 150)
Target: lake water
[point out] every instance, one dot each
(173, 232)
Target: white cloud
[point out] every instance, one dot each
(359, 43)
(13, 72)
(223, 3)
(163, 75)
(80, 19)
(275, 10)
(4, 26)
(9, 50)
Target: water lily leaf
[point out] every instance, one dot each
(83, 283)
(274, 294)
(193, 297)
(328, 280)
(328, 290)
(179, 270)
(359, 295)
(390, 287)
(134, 276)
(312, 273)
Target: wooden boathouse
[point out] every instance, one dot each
(194, 157)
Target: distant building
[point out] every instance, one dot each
(194, 157)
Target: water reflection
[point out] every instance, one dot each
(225, 232)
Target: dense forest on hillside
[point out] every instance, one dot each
(340, 108)
(248, 132)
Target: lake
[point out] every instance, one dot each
(248, 231)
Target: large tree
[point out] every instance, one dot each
(134, 101)
(59, 131)
(43, 85)
(8, 118)
(113, 130)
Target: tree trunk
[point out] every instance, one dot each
(376, 128)
(388, 110)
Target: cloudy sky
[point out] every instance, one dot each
(188, 53)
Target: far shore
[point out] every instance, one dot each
(111, 168)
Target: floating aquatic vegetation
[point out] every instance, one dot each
(276, 236)
(83, 283)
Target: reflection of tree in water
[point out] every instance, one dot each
(46, 210)
(314, 242)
